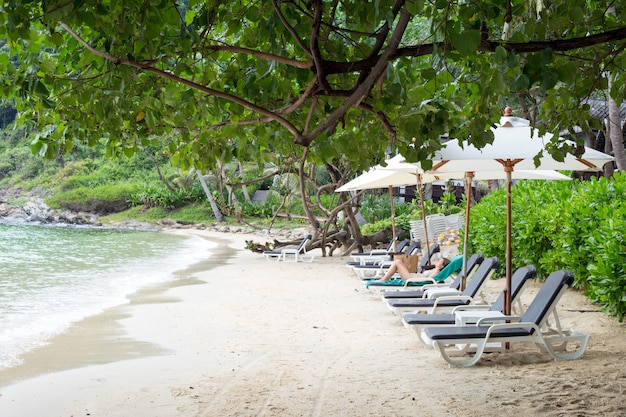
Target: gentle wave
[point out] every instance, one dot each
(52, 277)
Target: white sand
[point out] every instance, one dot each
(257, 338)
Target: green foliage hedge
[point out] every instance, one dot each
(580, 226)
(101, 199)
(151, 195)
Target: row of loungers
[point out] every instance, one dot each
(464, 325)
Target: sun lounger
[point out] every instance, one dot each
(454, 267)
(378, 288)
(446, 300)
(291, 254)
(377, 267)
(373, 261)
(530, 327)
(470, 314)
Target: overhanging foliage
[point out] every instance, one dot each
(251, 80)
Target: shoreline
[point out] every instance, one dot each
(260, 338)
(101, 338)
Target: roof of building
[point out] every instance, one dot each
(599, 108)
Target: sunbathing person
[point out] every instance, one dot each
(398, 267)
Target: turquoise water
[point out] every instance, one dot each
(53, 276)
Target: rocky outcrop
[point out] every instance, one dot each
(30, 207)
(36, 211)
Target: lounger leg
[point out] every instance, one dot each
(557, 346)
(461, 362)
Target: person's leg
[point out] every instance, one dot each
(392, 270)
(399, 267)
(403, 270)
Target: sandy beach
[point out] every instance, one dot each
(242, 336)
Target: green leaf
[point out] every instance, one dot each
(500, 55)
(549, 79)
(414, 6)
(520, 83)
(576, 14)
(465, 42)
(57, 39)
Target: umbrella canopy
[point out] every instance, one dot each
(514, 148)
(377, 177)
(401, 167)
(469, 176)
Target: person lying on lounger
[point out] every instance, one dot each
(398, 267)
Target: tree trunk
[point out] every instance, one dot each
(616, 134)
(216, 211)
(244, 187)
(305, 197)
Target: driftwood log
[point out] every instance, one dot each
(258, 247)
(332, 242)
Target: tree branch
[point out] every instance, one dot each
(315, 47)
(291, 30)
(557, 45)
(366, 86)
(264, 55)
(209, 91)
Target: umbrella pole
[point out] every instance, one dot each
(393, 219)
(468, 193)
(419, 187)
(509, 251)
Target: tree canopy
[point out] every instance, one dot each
(254, 80)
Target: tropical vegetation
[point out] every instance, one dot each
(575, 225)
(292, 96)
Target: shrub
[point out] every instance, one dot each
(578, 226)
(150, 195)
(375, 207)
(102, 199)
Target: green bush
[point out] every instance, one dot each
(375, 207)
(150, 195)
(574, 225)
(102, 199)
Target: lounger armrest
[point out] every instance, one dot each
(421, 279)
(436, 285)
(433, 293)
(451, 297)
(473, 307)
(373, 259)
(519, 325)
(500, 320)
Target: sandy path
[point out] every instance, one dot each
(259, 338)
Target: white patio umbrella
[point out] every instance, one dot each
(478, 175)
(514, 147)
(378, 177)
(399, 165)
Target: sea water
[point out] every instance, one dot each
(53, 276)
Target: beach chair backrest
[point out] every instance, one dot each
(402, 245)
(434, 248)
(302, 244)
(393, 241)
(454, 268)
(413, 248)
(547, 296)
(518, 280)
(479, 277)
(473, 261)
